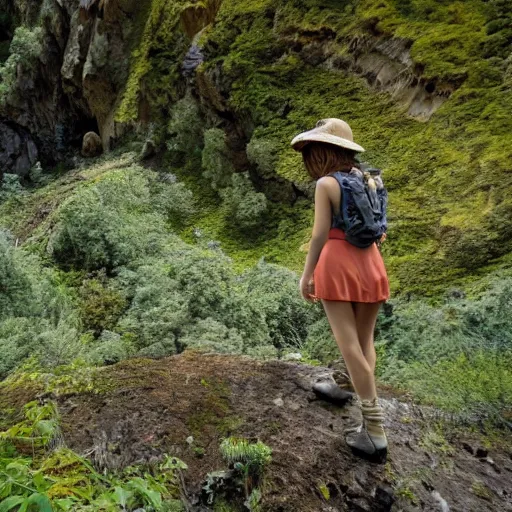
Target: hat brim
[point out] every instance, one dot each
(302, 139)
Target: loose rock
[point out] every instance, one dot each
(91, 145)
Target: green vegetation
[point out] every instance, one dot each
(84, 287)
(156, 60)
(24, 49)
(457, 356)
(107, 278)
(113, 260)
(248, 461)
(36, 471)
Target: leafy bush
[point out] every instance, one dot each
(185, 129)
(209, 334)
(15, 286)
(320, 343)
(107, 224)
(457, 355)
(156, 315)
(10, 186)
(109, 348)
(264, 153)
(273, 292)
(172, 198)
(36, 317)
(216, 161)
(245, 207)
(24, 50)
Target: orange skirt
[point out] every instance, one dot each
(347, 273)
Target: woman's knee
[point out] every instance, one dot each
(355, 356)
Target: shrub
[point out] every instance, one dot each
(36, 317)
(273, 291)
(110, 348)
(51, 342)
(475, 384)
(24, 50)
(107, 224)
(456, 356)
(100, 306)
(216, 162)
(264, 154)
(185, 129)
(173, 199)
(244, 206)
(158, 310)
(10, 186)
(320, 343)
(212, 335)
(15, 286)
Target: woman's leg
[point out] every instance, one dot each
(342, 319)
(366, 317)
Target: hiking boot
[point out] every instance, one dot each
(369, 440)
(353, 418)
(331, 392)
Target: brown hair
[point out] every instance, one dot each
(321, 159)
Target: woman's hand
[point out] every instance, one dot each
(307, 288)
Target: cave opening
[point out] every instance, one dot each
(6, 34)
(430, 87)
(80, 128)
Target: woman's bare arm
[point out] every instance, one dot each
(321, 227)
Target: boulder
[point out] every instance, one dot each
(91, 145)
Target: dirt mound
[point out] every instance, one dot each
(150, 407)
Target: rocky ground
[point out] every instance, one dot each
(184, 405)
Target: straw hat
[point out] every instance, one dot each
(332, 130)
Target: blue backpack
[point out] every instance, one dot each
(364, 201)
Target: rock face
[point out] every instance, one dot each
(18, 152)
(184, 405)
(73, 86)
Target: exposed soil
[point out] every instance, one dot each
(153, 406)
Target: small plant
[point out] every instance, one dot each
(249, 460)
(479, 489)
(62, 480)
(253, 455)
(37, 175)
(37, 430)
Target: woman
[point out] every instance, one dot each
(351, 282)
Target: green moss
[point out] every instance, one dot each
(214, 416)
(407, 493)
(479, 489)
(155, 65)
(434, 441)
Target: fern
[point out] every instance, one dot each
(254, 455)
